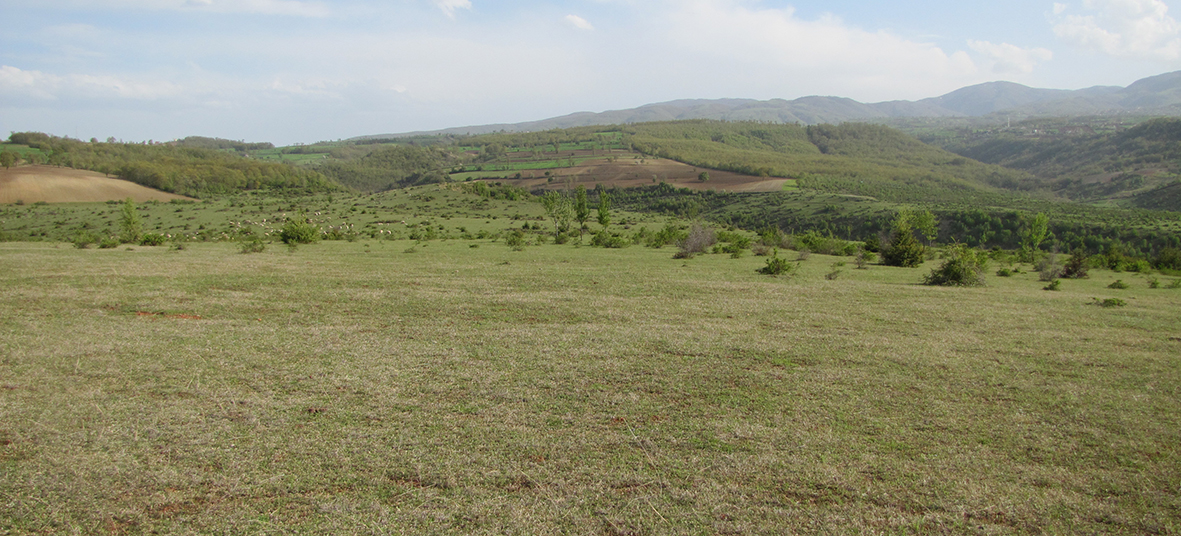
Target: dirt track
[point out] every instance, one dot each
(64, 185)
(628, 173)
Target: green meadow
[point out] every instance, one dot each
(457, 386)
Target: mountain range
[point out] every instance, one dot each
(1156, 95)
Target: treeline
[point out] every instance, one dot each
(386, 168)
(190, 171)
(201, 142)
(1095, 230)
(851, 158)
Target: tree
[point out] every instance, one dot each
(604, 209)
(903, 250)
(7, 159)
(130, 226)
(1033, 237)
(581, 208)
(558, 209)
(926, 223)
(703, 176)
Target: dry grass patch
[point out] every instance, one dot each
(571, 390)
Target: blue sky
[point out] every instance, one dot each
(290, 71)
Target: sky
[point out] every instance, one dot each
(301, 71)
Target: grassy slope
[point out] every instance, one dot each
(360, 388)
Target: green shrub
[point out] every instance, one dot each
(1004, 272)
(299, 232)
(864, 258)
(1176, 283)
(1119, 284)
(84, 239)
(670, 234)
(778, 266)
(252, 245)
(1110, 302)
(153, 239)
(963, 267)
(109, 242)
(607, 239)
(1054, 285)
(1154, 283)
(515, 240)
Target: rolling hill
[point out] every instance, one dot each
(1157, 95)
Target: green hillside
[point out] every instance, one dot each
(859, 159)
(1136, 166)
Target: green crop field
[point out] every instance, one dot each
(458, 386)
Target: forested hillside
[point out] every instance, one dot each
(1137, 165)
(191, 171)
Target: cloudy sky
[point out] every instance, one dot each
(290, 71)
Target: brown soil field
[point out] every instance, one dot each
(64, 185)
(629, 173)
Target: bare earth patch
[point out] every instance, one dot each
(64, 185)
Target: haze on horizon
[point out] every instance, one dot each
(289, 71)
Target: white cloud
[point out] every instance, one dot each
(449, 6)
(19, 84)
(1126, 28)
(723, 41)
(297, 8)
(1010, 59)
(579, 22)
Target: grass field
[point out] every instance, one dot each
(385, 387)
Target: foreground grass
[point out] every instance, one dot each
(361, 388)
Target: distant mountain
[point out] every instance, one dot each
(1157, 95)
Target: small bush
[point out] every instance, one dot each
(1054, 285)
(1110, 302)
(1175, 284)
(1048, 267)
(1119, 284)
(609, 240)
(804, 254)
(252, 245)
(561, 238)
(836, 271)
(109, 242)
(1004, 272)
(864, 258)
(152, 239)
(698, 240)
(1076, 267)
(670, 234)
(778, 266)
(515, 240)
(963, 267)
(296, 232)
(1154, 283)
(84, 239)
